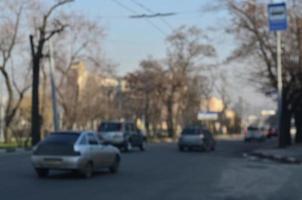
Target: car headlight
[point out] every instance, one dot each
(34, 148)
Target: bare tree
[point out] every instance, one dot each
(255, 42)
(80, 46)
(187, 48)
(144, 96)
(45, 29)
(9, 40)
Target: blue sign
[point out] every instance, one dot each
(277, 15)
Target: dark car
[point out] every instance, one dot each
(272, 132)
(196, 138)
(124, 135)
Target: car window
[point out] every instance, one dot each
(132, 127)
(208, 134)
(92, 139)
(190, 131)
(83, 140)
(128, 127)
(62, 138)
(110, 127)
(252, 128)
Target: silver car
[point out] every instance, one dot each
(124, 135)
(196, 137)
(255, 133)
(76, 151)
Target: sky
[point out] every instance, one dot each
(128, 41)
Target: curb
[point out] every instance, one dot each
(14, 150)
(276, 158)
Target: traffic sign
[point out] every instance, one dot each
(277, 15)
(207, 116)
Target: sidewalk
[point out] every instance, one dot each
(237, 137)
(4, 151)
(290, 155)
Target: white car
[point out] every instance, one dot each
(254, 133)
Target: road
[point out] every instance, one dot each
(162, 172)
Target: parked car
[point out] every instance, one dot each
(272, 132)
(75, 151)
(254, 133)
(124, 135)
(196, 137)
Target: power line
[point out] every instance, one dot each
(124, 6)
(142, 6)
(134, 12)
(165, 14)
(153, 15)
(160, 15)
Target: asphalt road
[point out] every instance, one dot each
(162, 172)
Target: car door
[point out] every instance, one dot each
(138, 137)
(211, 139)
(100, 152)
(128, 133)
(95, 150)
(84, 147)
(207, 138)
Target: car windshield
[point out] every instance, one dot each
(190, 131)
(66, 138)
(252, 128)
(110, 127)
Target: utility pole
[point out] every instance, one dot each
(55, 113)
(120, 99)
(280, 85)
(277, 13)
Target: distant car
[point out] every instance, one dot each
(196, 137)
(124, 135)
(272, 132)
(254, 133)
(75, 151)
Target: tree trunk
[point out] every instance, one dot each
(147, 114)
(9, 104)
(35, 119)
(170, 121)
(284, 126)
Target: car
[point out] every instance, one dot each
(196, 137)
(75, 151)
(124, 135)
(254, 133)
(272, 132)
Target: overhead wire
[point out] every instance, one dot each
(134, 12)
(152, 12)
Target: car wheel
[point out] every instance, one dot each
(88, 170)
(128, 146)
(206, 147)
(181, 148)
(115, 166)
(42, 172)
(142, 147)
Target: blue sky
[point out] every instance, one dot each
(130, 40)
